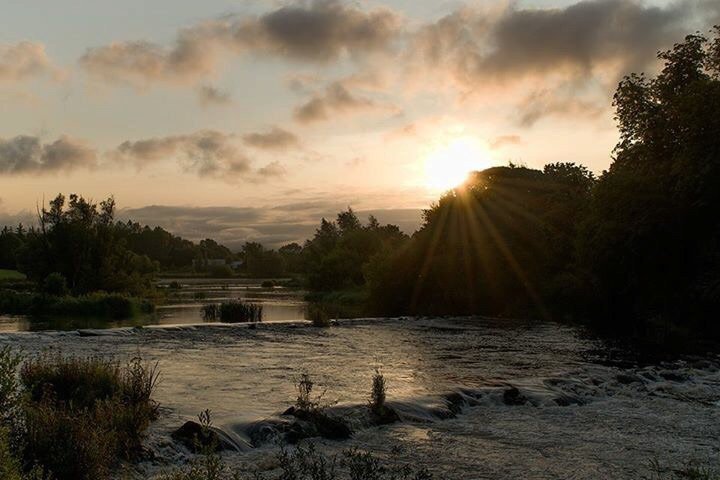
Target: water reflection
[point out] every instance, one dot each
(185, 298)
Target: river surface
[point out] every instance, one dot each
(583, 413)
(182, 306)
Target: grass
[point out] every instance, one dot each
(10, 275)
(234, 311)
(75, 417)
(102, 305)
(305, 463)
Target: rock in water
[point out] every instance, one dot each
(313, 423)
(512, 396)
(197, 438)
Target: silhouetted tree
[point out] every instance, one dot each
(651, 242)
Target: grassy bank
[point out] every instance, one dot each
(102, 305)
(10, 275)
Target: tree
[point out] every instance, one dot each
(651, 241)
(78, 241)
(493, 246)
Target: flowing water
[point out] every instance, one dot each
(578, 412)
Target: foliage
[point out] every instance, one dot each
(378, 393)
(76, 416)
(233, 311)
(78, 240)
(100, 305)
(55, 284)
(334, 258)
(9, 386)
(651, 239)
(220, 271)
(306, 401)
(318, 315)
(305, 463)
(260, 262)
(492, 246)
(10, 275)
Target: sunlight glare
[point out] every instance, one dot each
(449, 164)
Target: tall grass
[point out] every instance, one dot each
(234, 311)
(76, 417)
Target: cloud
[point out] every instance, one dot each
(272, 169)
(504, 140)
(27, 154)
(336, 99)
(24, 60)
(545, 103)
(206, 153)
(272, 226)
(213, 96)
(274, 139)
(514, 43)
(318, 31)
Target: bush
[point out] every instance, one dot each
(318, 316)
(82, 414)
(220, 271)
(378, 394)
(237, 311)
(210, 312)
(99, 304)
(268, 284)
(55, 284)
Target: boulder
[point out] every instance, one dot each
(512, 396)
(314, 423)
(197, 439)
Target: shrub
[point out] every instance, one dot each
(268, 284)
(55, 284)
(93, 305)
(237, 311)
(174, 285)
(233, 311)
(305, 400)
(220, 271)
(377, 395)
(210, 312)
(9, 387)
(318, 316)
(82, 414)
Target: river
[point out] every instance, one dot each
(584, 412)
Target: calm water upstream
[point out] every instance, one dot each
(183, 306)
(582, 417)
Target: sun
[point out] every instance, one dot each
(449, 164)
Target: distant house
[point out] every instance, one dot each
(236, 264)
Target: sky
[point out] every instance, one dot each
(250, 120)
